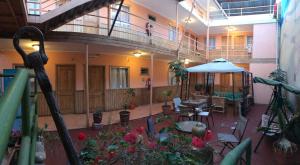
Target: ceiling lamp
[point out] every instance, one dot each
(36, 47)
(231, 28)
(137, 54)
(186, 61)
(188, 20)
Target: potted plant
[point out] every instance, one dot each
(97, 117)
(130, 100)
(177, 67)
(124, 115)
(166, 95)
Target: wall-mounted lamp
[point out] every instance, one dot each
(137, 54)
(36, 47)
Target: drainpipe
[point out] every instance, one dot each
(278, 46)
(87, 85)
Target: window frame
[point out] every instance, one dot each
(119, 21)
(119, 67)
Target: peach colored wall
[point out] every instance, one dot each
(262, 92)
(264, 41)
(8, 59)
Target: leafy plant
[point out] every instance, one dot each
(279, 75)
(166, 95)
(177, 67)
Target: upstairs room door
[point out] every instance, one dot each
(65, 88)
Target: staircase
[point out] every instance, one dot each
(64, 14)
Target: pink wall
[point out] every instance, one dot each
(262, 92)
(264, 41)
(264, 46)
(136, 80)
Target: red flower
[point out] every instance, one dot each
(163, 148)
(97, 159)
(111, 155)
(81, 136)
(140, 130)
(131, 149)
(197, 142)
(130, 138)
(152, 145)
(208, 135)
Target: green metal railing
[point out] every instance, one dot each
(236, 155)
(19, 93)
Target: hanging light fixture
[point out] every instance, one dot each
(186, 61)
(137, 54)
(36, 47)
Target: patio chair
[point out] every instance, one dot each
(182, 111)
(152, 133)
(231, 140)
(219, 103)
(206, 112)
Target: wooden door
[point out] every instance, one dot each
(96, 88)
(65, 88)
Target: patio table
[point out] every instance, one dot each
(186, 126)
(194, 103)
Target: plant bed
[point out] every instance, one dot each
(132, 146)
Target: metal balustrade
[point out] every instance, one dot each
(242, 11)
(18, 93)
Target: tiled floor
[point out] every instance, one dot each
(265, 154)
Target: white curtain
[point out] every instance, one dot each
(119, 78)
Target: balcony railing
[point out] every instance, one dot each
(18, 93)
(134, 29)
(235, 53)
(242, 11)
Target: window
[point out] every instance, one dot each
(119, 77)
(249, 42)
(123, 18)
(212, 43)
(172, 33)
(78, 24)
(152, 18)
(34, 7)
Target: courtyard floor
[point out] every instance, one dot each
(223, 122)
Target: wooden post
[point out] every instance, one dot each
(151, 86)
(189, 86)
(233, 97)
(87, 85)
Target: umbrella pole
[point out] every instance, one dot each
(189, 85)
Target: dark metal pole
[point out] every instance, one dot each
(36, 61)
(115, 19)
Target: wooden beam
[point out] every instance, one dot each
(12, 12)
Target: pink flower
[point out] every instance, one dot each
(131, 149)
(140, 130)
(130, 138)
(81, 136)
(208, 135)
(197, 142)
(152, 145)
